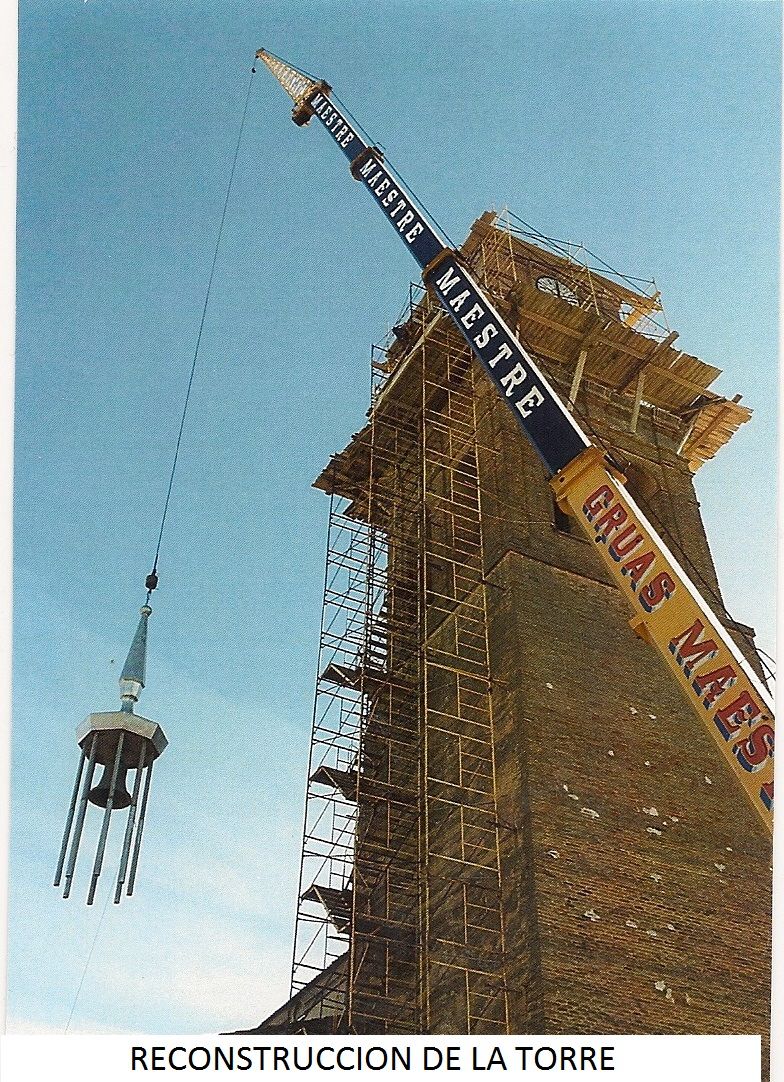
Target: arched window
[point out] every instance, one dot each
(555, 288)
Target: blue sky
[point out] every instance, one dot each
(648, 131)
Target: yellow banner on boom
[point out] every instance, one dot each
(669, 614)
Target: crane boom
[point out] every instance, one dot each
(668, 610)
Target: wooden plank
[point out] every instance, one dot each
(637, 400)
(578, 375)
(659, 349)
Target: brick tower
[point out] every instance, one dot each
(515, 823)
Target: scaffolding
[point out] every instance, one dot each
(589, 326)
(400, 892)
(401, 925)
(324, 912)
(464, 955)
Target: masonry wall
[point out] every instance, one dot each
(634, 878)
(637, 878)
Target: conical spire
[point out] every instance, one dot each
(132, 678)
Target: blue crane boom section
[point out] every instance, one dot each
(538, 410)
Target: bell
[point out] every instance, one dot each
(100, 794)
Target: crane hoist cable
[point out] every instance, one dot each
(151, 581)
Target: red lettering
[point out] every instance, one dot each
(690, 652)
(637, 568)
(730, 718)
(610, 521)
(597, 502)
(712, 684)
(755, 749)
(658, 590)
(625, 543)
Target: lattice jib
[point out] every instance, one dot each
(296, 85)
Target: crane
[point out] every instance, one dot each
(667, 609)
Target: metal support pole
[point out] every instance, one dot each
(505, 212)
(138, 842)
(126, 849)
(69, 819)
(88, 780)
(105, 825)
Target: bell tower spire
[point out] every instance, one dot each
(132, 677)
(119, 741)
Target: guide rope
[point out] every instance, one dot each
(87, 962)
(151, 581)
